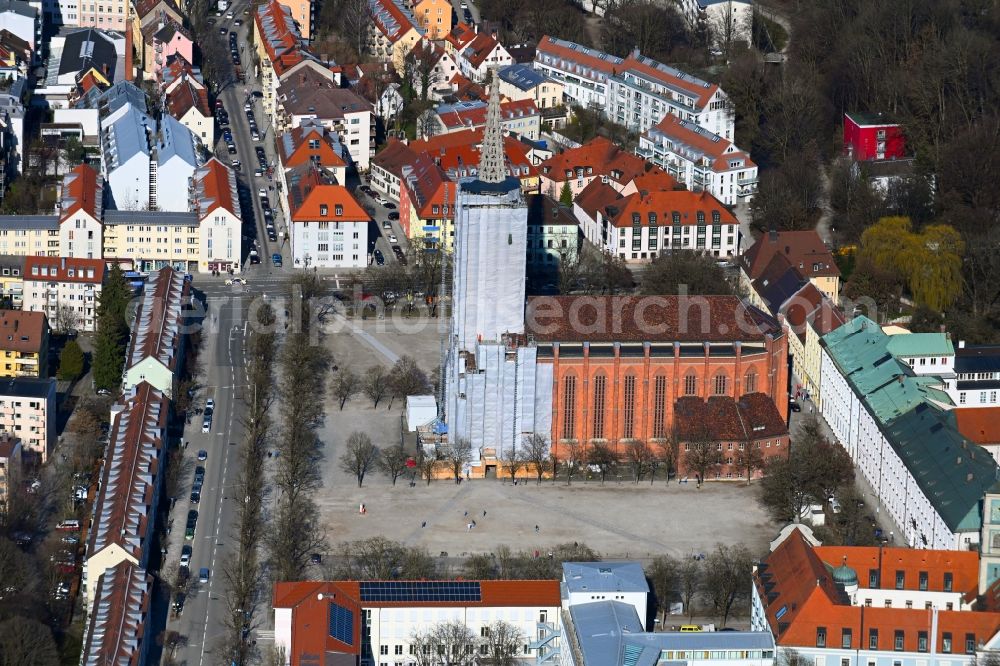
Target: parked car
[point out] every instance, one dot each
(206, 424)
(794, 406)
(203, 454)
(71, 539)
(195, 497)
(379, 258)
(394, 215)
(178, 605)
(386, 224)
(393, 239)
(276, 260)
(203, 574)
(69, 526)
(389, 205)
(235, 280)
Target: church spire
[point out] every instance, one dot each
(492, 165)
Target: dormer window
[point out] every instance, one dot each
(338, 210)
(324, 210)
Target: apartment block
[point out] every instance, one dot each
(24, 344)
(66, 290)
(28, 412)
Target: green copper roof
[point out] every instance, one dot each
(921, 344)
(951, 471)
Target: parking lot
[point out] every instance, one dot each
(387, 241)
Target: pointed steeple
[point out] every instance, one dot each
(492, 164)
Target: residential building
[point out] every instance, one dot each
(635, 91)
(177, 70)
(78, 54)
(123, 524)
(12, 131)
(309, 97)
(10, 468)
(187, 103)
(980, 426)
(215, 200)
(112, 16)
(387, 168)
(427, 204)
(434, 16)
(700, 160)
(482, 54)
(641, 230)
(390, 104)
(726, 21)
(28, 412)
(116, 631)
(520, 117)
(156, 349)
(302, 12)
(24, 344)
(163, 40)
(67, 290)
(329, 228)
(871, 605)
(872, 136)
(81, 208)
(809, 315)
(24, 235)
(553, 239)
(733, 426)
(893, 422)
(599, 159)
(434, 68)
(145, 12)
(150, 240)
(393, 31)
(804, 249)
(975, 378)
(521, 81)
(372, 621)
(458, 153)
(312, 143)
(623, 581)
(11, 281)
(22, 20)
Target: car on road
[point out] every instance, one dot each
(68, 526)
(185, 555)
(394, 215)
(276, 260)
(379, 258)
(203, 575)
(178, 605)
(271, 236)
(206, 424)
(231, 148)
(71, 539)
(195, 497)
(262, 192)
(392, 238)
(192, 523)
(794, 406)
(238, 22)
(389, 205)
(222, 30)
(199, 475)
(398, 251)
(386, 224)
(231, 281)
(209, 403)
(258, 173)
(203, 455)
(254, 135)
(229, 14)
(254, 258)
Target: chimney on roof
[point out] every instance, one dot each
(772, 235)
(899, 378)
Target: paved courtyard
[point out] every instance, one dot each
(616, 520)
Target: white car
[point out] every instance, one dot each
(231, 281)
(262, 192)
(206, 424)
(185, 559)
(210, 403)
(229, 15)
(392, 238)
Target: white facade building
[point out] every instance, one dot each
(67, 290)
(625, 581)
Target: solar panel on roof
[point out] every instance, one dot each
(421, 591)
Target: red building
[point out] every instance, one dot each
(620, 363)
(870, 136)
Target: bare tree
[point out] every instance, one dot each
(504, 643)
(512, 458)
(346, 385)
(536, 454)
(663, 573)
(690, 578)
(27, 641)
(601, 455)
(427, 124)
(573, 458)
(702, 456)
(749, 459)
(378, 558)
(445, 644)
(66, 318)
(393, 462)
(406, 379)
(727, 578)
(458, 456)
(640, 458)
(360, 456)
(375, 384)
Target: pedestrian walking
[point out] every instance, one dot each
(466, 514)
(536, 529)
(484, 513)
(423, 524)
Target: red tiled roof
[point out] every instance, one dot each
(979, 424)
(81, 190)
(157, 332)
(800, 306)
(548, 47)
(664, 204)
(721, 150)
(655, 180)
(22, 331)
(117, 618)
(796, 585)
(298, 138)
(827, 317)
(598, 196)
(602, 157)
(480, 48)
(215, 187)
(331, 196)
(645, 318)
(458, 152)
(722, 419)
(279, 32)
(702, 91)
(476, 116)
(58, 269)
(804, 249)
(460, 36)
(393, 156)
(186, 96)
(402, 22)
(425, 184)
